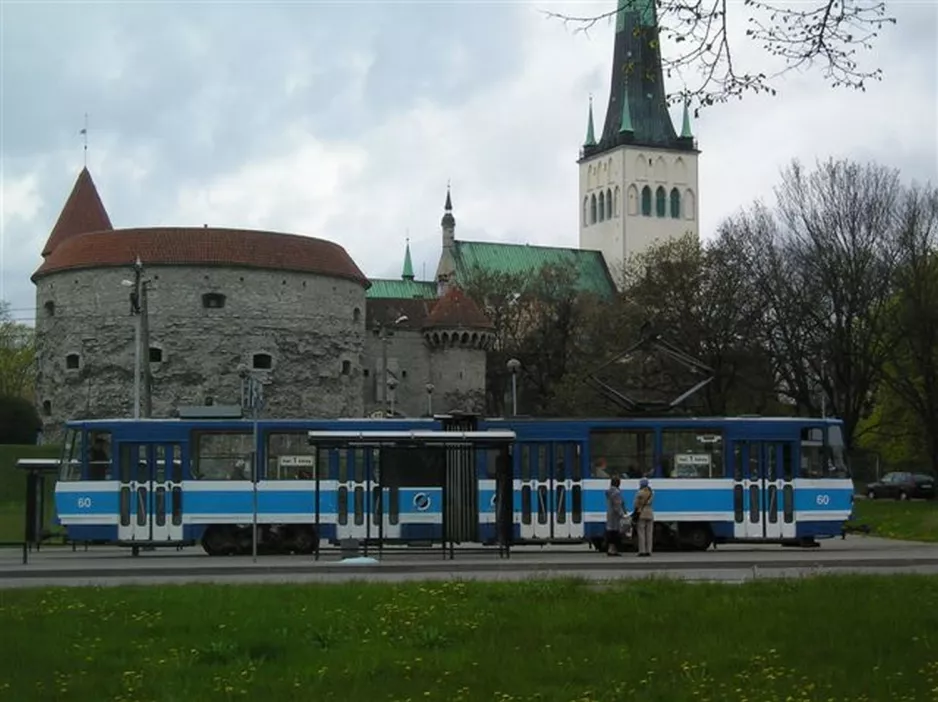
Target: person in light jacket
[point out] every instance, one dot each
(644, 517)
(615, 515)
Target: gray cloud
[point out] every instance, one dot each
(345, 121)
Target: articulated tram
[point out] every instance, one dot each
(173, 482)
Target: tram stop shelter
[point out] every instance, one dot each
(449, 463)
(38, 470)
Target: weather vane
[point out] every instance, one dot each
(84, 133)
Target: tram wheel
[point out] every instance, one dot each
(304, 540)
(697, 537)
(217, 541)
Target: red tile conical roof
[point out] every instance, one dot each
(457, 310)
(83, 213)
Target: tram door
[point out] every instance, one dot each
(763, 492)
(150, 495)
(385, 499)
(362, 505)
(551, 491)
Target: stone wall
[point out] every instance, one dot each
(311, 326)
(457, 374)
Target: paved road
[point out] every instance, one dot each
(60, 566)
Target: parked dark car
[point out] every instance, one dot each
(902, 486)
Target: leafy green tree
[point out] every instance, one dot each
(17, 356)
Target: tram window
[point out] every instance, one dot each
(290, 457)
(626, 453)
(99, 455)
(70, 469)
(222, 455)
(693, 453)
(837, 459)
(812, 453)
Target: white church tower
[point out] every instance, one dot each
(638, 183)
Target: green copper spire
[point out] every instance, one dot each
(625, 125)
(408, 273)
(644, 8)
(685, 129)
(590, 136)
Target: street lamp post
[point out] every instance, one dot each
(513, 365)
(140, 310)
(392, 386)
(385, 335)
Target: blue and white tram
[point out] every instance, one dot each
(716, 480)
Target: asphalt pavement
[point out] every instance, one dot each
(107, 565)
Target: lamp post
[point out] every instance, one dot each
(429, 399)
(392, 386)
(513, 365)
(252, 397)
(140, 310)
(385, 340)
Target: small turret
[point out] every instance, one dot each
(590, 132)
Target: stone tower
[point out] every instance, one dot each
(638, 183)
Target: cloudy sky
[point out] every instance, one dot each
(345, 120)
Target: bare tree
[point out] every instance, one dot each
(911, 369)
(823, 265)
(825, 32)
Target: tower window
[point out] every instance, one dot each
(356, 315)
(50, 308)
(47, 408)
(593, 208)
(661, 202)
(213, 301)
(646, 201)
(602, 206)
(262, 361)
(675, 204)
(72, 361)
(346, 367)
(608, 203)
(156, 354)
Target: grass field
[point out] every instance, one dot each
(891, 519)
(13, 488)
(847, 638)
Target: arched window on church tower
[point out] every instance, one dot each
(608, 203)
(661, 202)
(615, 200)
(675, 204)
(593, 208)
(602, 205)
(646, 201)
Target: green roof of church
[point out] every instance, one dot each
(509, 259)
(402, 289)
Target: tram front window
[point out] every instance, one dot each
(837, 456)
(70, 466)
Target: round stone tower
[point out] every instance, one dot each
(458, 335)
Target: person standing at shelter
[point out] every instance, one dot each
(644, 517)
(615, 516)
